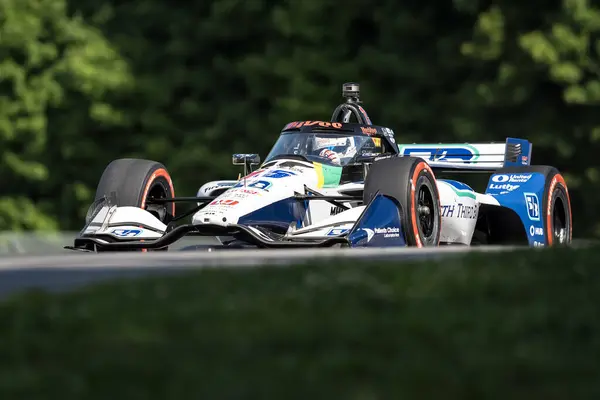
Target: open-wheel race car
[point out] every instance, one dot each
(343, 182)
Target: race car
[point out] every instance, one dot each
(343, 182)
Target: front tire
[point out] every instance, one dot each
(412, 183)
(134, 181)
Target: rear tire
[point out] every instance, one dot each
(556, 204)
(134, 181)
(412, 183)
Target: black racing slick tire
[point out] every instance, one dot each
(412, 183)
(556, 203)
(134, 181)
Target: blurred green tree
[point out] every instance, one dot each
(189, 83)
(55, 73)
(537, 75)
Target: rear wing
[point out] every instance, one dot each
(471, 156)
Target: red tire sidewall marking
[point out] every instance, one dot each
(558, 178)
(161, 172)
(413, 209)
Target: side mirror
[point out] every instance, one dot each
(246, 159)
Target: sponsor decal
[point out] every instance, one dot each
(336, 210)
(300, 170)
(381, 158)
(337, 231)
(326, 142)
(262, 185)
(459, 210)
(126, 232)
(387, 232)
(511, 178)
(278, 173)
(248, 191)
(368, 130)
(224, 202)
(533, 206)
(524, 160)
(538, 244)
(442, 153)
(505, 186)
(322, 124)
(536, 231)
(242, 193)
(365, 115)
(387, 131)
(218, 185)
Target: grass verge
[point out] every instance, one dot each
(517, 325)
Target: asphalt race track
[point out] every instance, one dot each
(72, 270)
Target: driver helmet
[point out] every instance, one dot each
(334, 148)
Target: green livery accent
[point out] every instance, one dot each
(461, 192)
(331, 176)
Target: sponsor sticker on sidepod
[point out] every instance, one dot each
(507, 181)
(536, 231)
(512, 178)
(388, 232)
(505, 186)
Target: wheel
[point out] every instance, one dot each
(411, 182)
(556, 203)
(135, 181)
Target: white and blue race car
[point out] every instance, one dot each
(343, 182)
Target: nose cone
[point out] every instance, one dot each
(210, 218)
(224, 210)
(258, 190)
(229, 207)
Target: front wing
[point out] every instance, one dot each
(378, 225)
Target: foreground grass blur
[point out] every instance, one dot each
(517, 325)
